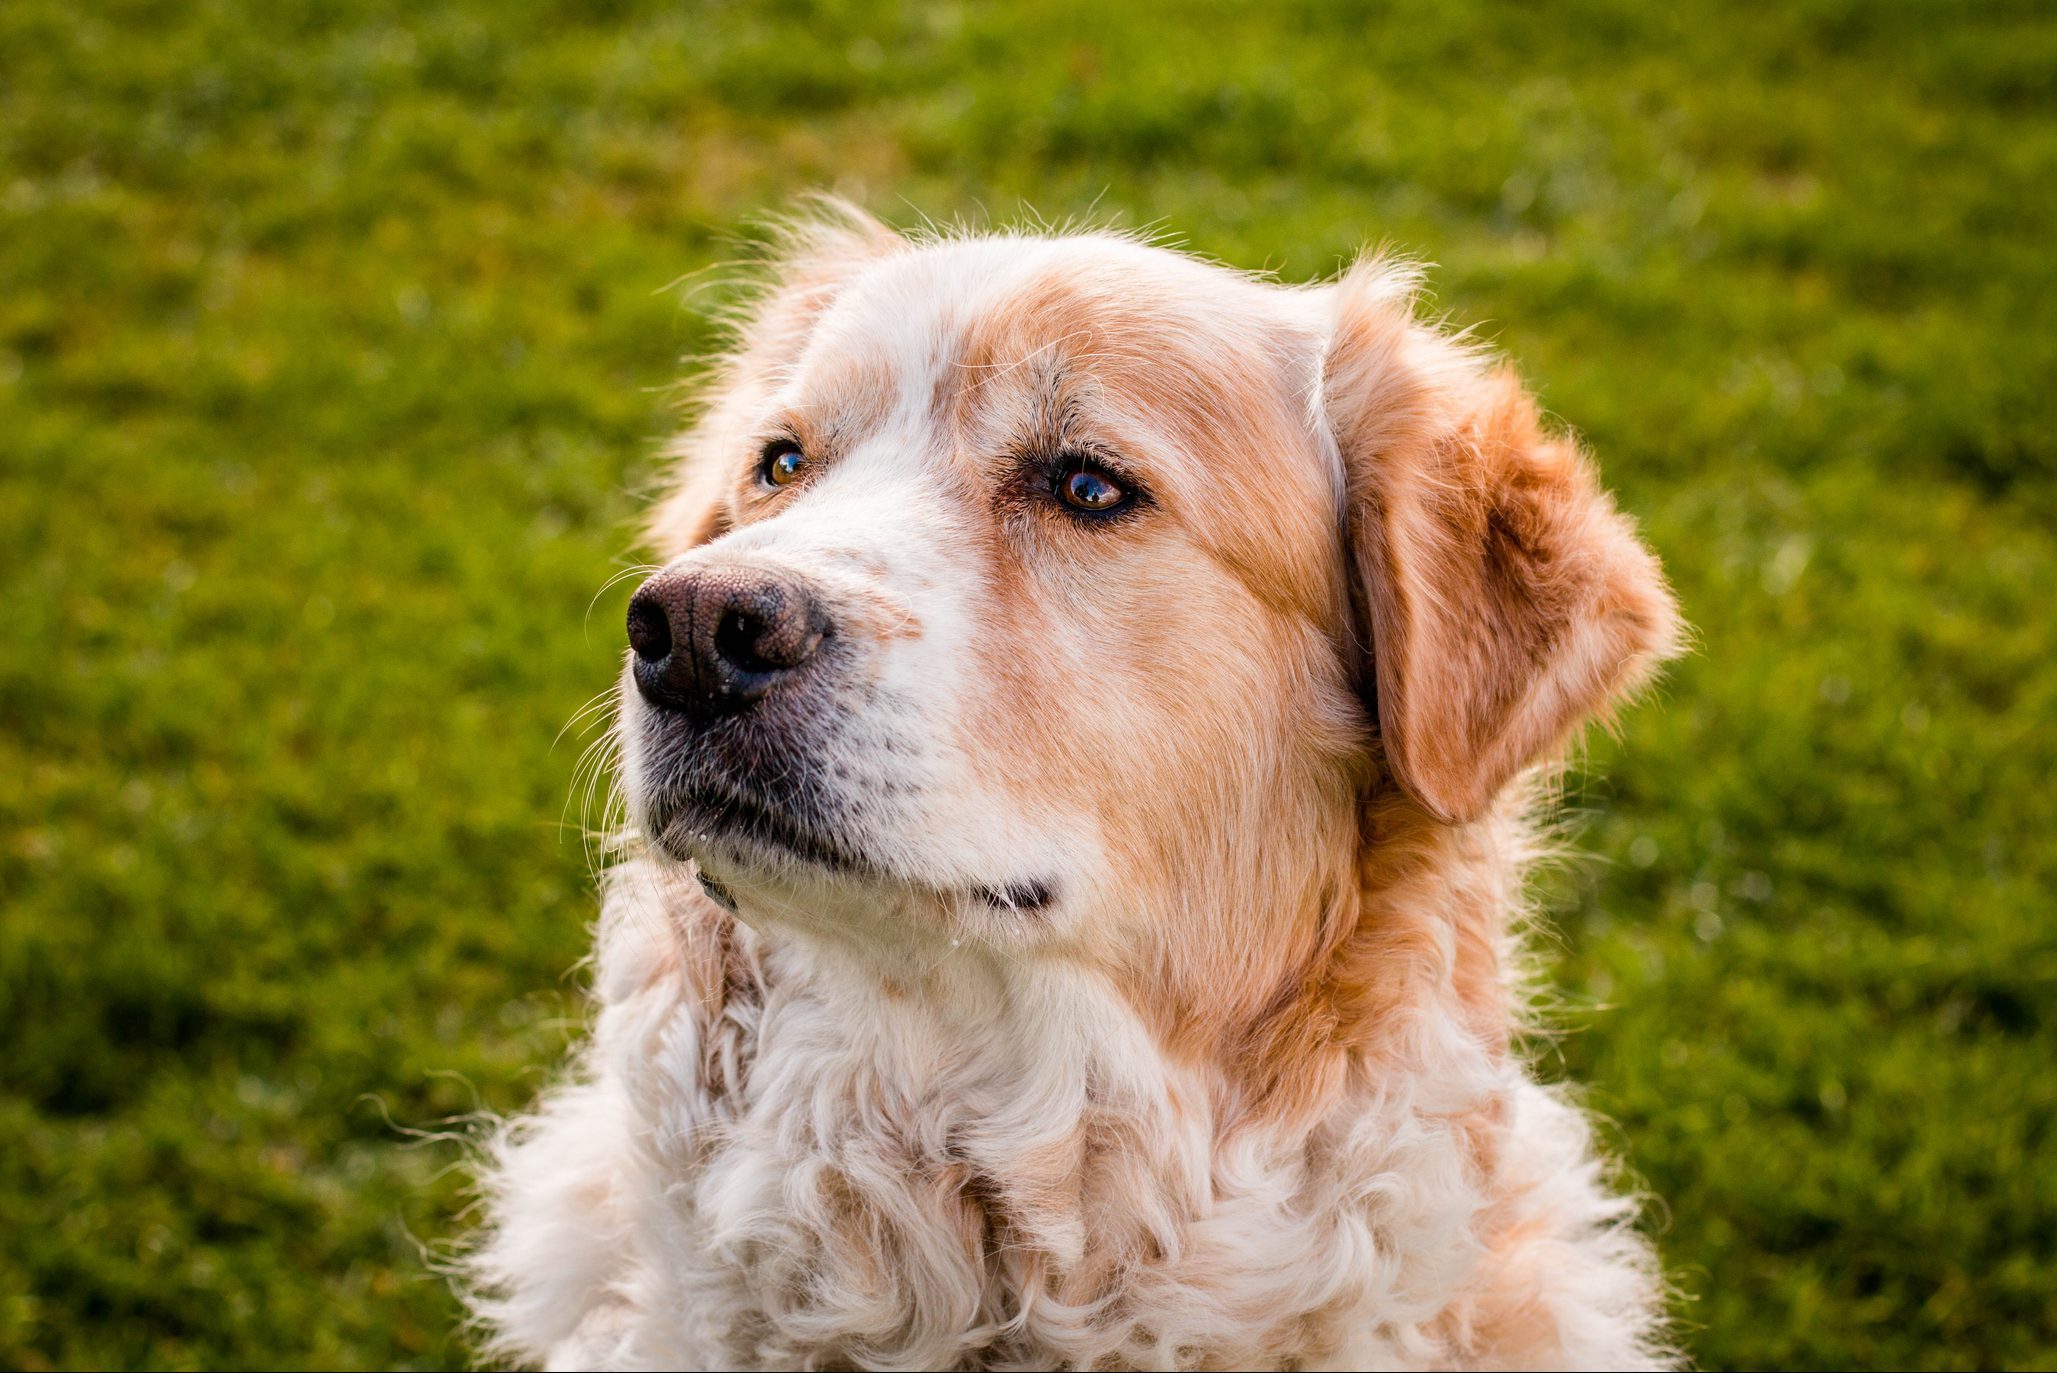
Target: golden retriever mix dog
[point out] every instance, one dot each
(1077, 749)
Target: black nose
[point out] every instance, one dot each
(709, 642)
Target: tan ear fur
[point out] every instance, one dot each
(1508, 600)
(812, 255)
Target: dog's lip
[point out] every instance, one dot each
(694, 819)
(703, 821)
(1019, 898)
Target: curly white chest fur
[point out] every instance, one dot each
(764, 1166)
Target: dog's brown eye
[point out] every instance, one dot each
(1085, 489)
(783, 463)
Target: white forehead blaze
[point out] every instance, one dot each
(910, 314)
(892, 546)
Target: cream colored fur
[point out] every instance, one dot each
(860, 1127)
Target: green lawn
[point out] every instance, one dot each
(334, 346)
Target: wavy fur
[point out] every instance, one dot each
(1250, 1094)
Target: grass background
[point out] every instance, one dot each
(333, 347)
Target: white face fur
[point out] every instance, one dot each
(1029, 719)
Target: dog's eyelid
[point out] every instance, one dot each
(1059, 459)
(779, 436)
(1118, 463)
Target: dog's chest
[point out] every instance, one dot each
(828, 1200)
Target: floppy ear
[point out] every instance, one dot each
(812, 256)
(1508, 600)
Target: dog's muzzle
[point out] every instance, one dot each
(738, 666)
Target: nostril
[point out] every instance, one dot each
(737, 639)
(770, 634)
(649, 629)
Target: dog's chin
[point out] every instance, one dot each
(728, 830)
(741, 844)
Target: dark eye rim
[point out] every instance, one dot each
(771, 452)
(1071, 461)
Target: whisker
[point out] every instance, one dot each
(633, 570)
(600, 703)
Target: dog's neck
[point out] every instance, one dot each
(969, 1049)
(1024, 1135)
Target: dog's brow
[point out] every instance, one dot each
(995, 370)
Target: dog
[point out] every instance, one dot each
(1080, 752)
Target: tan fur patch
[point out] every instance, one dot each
(1239, 1084)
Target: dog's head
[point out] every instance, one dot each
(1073, 593)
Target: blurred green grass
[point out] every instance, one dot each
(334, 344)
